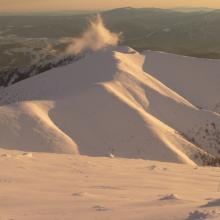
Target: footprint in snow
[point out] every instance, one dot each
(153, 167)
(6, 155)
(81, 194)
(84, 195)
(78, 194)
(24, 155)
(100, 208)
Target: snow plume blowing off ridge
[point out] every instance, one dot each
(96, 37)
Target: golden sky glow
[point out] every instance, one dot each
(57, 5)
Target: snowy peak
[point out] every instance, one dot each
(107, 104)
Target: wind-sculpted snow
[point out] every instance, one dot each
(107, 104)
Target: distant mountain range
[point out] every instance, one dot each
(49, 13)
(193, 34)
(27, 41)
(74, 12)
(193, 9)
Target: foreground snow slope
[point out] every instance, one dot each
(67, 187)
(107, 104)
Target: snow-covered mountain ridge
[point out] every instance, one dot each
(118, 102)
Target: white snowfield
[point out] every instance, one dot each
(198, 80)
(109, 103)
(69, 187)
(126, 130)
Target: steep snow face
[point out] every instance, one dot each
(104, 104)
(197, 80)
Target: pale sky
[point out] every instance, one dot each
(59, 5)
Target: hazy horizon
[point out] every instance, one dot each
(14, 6)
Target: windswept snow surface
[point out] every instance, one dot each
(112, 103)
(69, 187)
